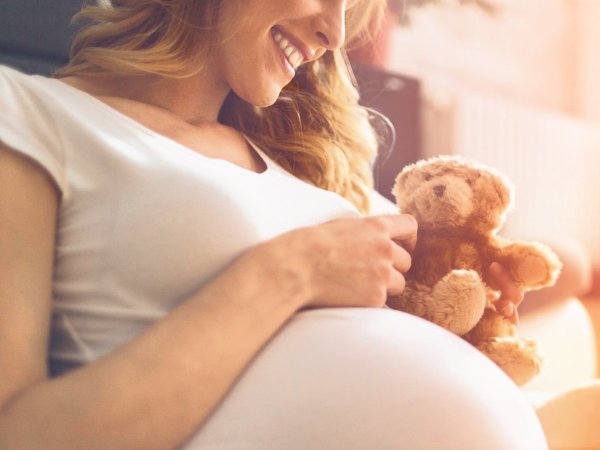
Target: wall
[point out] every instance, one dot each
(586, 50)
(519, 90)
(522, 52)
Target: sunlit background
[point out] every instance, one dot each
(516, 84)
(513, 83)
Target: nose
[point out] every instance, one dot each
(330, 27)
(439, 190)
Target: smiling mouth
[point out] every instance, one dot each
(292, 54)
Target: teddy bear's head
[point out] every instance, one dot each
(449, 191)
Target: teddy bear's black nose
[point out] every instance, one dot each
(439, 190)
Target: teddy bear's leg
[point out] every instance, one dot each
(518, 358)
(415, 299)
(456, 302)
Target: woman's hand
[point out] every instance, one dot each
(346, 262)
(509, 295)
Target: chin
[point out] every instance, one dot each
(266, 98)
(262, 99)
(264, 102)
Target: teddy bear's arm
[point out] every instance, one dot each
(532, 265)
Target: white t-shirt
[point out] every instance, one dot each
(144, 221)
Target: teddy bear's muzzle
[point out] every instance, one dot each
(439, 190)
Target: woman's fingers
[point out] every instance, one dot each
(401, 262)
(401, 259)
(510, 291)
(403, 231)
(511, 295)
(402, 228)
(515, 318)
(352, 261)
(397, 283)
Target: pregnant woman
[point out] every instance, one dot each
(187, 257)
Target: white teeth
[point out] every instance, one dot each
(293, 55)
(295, 59)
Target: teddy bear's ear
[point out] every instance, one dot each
(503, 189)
(400, 185)
(400, 182)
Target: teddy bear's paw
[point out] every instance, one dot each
(458, 301)
(519, 359)
(535, 264)
(532, 270)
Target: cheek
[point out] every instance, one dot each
(249, 69)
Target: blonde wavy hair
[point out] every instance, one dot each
(316, 129)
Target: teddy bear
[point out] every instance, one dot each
(459, 206)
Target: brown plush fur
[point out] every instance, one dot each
(460, 205)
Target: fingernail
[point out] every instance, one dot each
(508, 310)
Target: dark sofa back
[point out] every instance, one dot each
(35, 34)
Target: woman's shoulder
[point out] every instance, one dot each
(21, 93)
(31, 91)
(28, 125)
(9, 73)
(25, 101)
(34, 104)
(12, 79)
(11, 82)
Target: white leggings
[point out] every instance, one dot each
(370, 379)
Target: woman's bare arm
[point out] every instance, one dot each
(150, 393)
(157, 389)
(28, 203)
